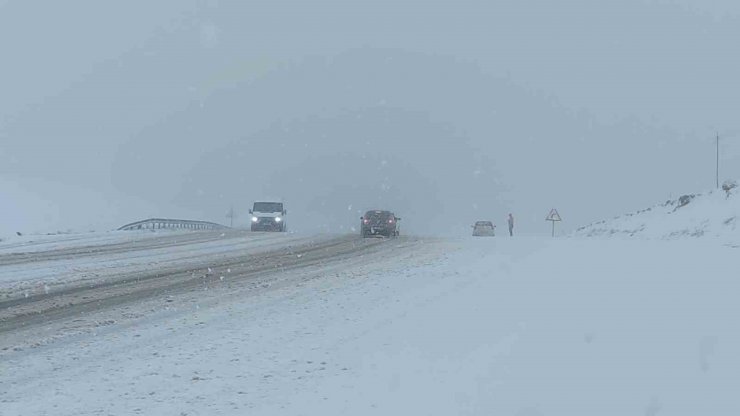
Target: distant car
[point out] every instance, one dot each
(484, 229)
(379, 223)
(268, 216)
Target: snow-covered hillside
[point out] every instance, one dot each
(712, 214)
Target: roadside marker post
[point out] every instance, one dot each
(553, 217)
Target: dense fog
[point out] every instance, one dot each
(445, 112)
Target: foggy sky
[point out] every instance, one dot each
(446, 112)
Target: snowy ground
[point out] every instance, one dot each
(496, 326)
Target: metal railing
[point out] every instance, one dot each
(172, 224)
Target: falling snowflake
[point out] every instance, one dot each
(209, 35)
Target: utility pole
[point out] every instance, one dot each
(717, 160)
(230, 215)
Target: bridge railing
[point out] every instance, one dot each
(172, 224)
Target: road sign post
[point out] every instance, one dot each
(553, 217)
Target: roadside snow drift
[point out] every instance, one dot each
(713, 214)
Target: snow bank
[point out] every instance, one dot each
(32, 243)
(713, 214)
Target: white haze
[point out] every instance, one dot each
(443, 111)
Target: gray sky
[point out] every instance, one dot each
(444, 111)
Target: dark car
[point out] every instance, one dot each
(379, 223)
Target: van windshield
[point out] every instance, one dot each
(268, 207)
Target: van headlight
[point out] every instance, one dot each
(255, 219)
(278, 219)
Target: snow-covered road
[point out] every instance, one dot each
(520, 327)
(40, 265)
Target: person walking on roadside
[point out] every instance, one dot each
(511, 225)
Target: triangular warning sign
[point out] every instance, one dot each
(553, 215)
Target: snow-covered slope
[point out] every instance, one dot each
(712, 214)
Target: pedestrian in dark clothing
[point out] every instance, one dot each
(511, 225)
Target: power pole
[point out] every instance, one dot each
(717, 160)
(230, 215)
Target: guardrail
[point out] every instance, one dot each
(165, 223)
